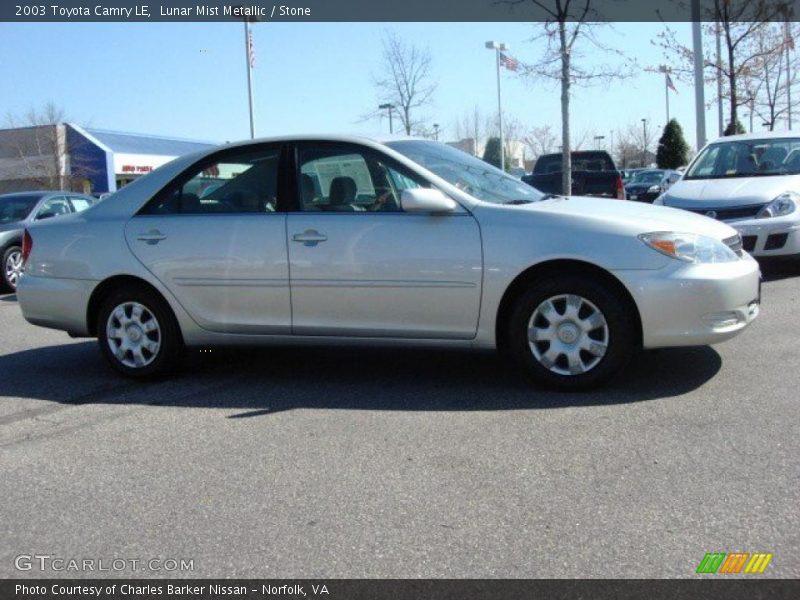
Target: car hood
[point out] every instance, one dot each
(608, 215)
(736, 191)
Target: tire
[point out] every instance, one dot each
(12, 265)
(589, 336)
(138, 333)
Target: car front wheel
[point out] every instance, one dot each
(138, 333)
(572, 332)
(12, 267)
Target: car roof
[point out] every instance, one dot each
(377, 138)
(42, 193)
(30, 194)
(763, 135)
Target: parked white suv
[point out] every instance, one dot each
(752, 182)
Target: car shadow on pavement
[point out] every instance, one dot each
(776, 269)
(269, 380)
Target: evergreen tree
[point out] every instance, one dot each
(492, 153)
(739, 128)
(673, 151)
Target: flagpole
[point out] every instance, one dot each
(499, 47)
(667, 81)
(248, 58)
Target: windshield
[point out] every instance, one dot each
(747, 158)
(467, 173)
(581, 161)
(16, 208)
(648, 177)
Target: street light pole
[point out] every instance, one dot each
(644, 141)
(436, 132)
(499, 47)
(389, 107)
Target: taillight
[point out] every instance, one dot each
(27, 246)
(620, 189)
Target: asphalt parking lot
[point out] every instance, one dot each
(333, 462)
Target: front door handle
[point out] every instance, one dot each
(151, 237)
(310, 237)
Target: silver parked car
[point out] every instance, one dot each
(338, 238)
(21, 209)
(751, 182)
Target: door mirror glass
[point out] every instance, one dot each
(426, 200)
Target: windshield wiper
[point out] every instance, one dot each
(520, 201)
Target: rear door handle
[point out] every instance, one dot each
(310, 237)
(151, 237)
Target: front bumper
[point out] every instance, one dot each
(688, 304)
(779, 236)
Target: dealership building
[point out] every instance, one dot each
(82, 159)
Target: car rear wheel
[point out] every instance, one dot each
(12, 267)
(138, 333)
(572, 332)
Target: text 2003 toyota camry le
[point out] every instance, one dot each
(408, 241)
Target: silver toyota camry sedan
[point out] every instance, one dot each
(331, 239)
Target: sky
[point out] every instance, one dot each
(189, 79)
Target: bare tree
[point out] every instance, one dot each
(473, 125)
(633, 145)
(566, 23)
(767, 86)
(627, 150)
(39, 145)
(406, 80)
(579, 140)
(742, 25)
(540, 140)
(45, 151)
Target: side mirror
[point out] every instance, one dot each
(45, 214)
(426, 200)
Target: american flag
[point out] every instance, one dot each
(251, 52)
(508, 62)
(671, 85)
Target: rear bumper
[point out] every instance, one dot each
(646, 197)
(55, 303)
(691, 305)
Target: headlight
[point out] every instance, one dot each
(654, 189)
(784, 204)
(689, 247)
